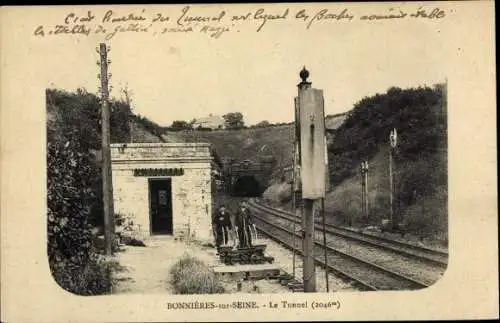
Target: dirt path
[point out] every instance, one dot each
(147, 269)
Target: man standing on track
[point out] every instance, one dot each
(222, 225)
(243, 222)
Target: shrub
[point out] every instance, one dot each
(94, 276)
(74, 194)
(127, 231)
(192, 276)
(72, 259)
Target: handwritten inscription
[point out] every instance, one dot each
(217, 23)
(111, 16)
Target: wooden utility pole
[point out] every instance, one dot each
(107, 184)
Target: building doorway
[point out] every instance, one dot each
(160, 206)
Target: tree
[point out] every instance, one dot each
(262, 124)
(127, 96)
(234, 120)
(180, 125)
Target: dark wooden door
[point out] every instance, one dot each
(160, 206)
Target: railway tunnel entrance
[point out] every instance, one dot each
(248, 186)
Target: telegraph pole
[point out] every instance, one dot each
(107, 185)
(393, 141)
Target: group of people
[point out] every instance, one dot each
(240, 224)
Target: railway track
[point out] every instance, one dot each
(423, 254)
(366, 275)
(375, 258)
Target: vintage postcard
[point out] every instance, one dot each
(248, 162)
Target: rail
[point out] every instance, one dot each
(435, 257)
(365, 274)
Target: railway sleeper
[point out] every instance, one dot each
(291, 282)
(295, 284)
(253, 255)
(285, 276)
(298, 290)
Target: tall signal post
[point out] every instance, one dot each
(327, 187)
(296, 185)
(393, 140)
(107, 184)
(364, 188)
(312, 150)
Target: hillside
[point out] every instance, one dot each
(140, 133)
(420, 162)
(242, 144)
(333, 122)
(247, 143)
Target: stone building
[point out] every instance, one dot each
(165, 188)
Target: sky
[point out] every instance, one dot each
(179, 76)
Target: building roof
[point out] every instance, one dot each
(210, 121)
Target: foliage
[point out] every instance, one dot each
(120, 121)
(69, 173)
(192, 276)
(180, 125)
(262, 124)
(74, 197)
(415, 113)
(234, 120)
(419, 160)
(201, 128)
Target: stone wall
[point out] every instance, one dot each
(191, 192)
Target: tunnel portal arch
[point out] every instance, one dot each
(246, 185)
